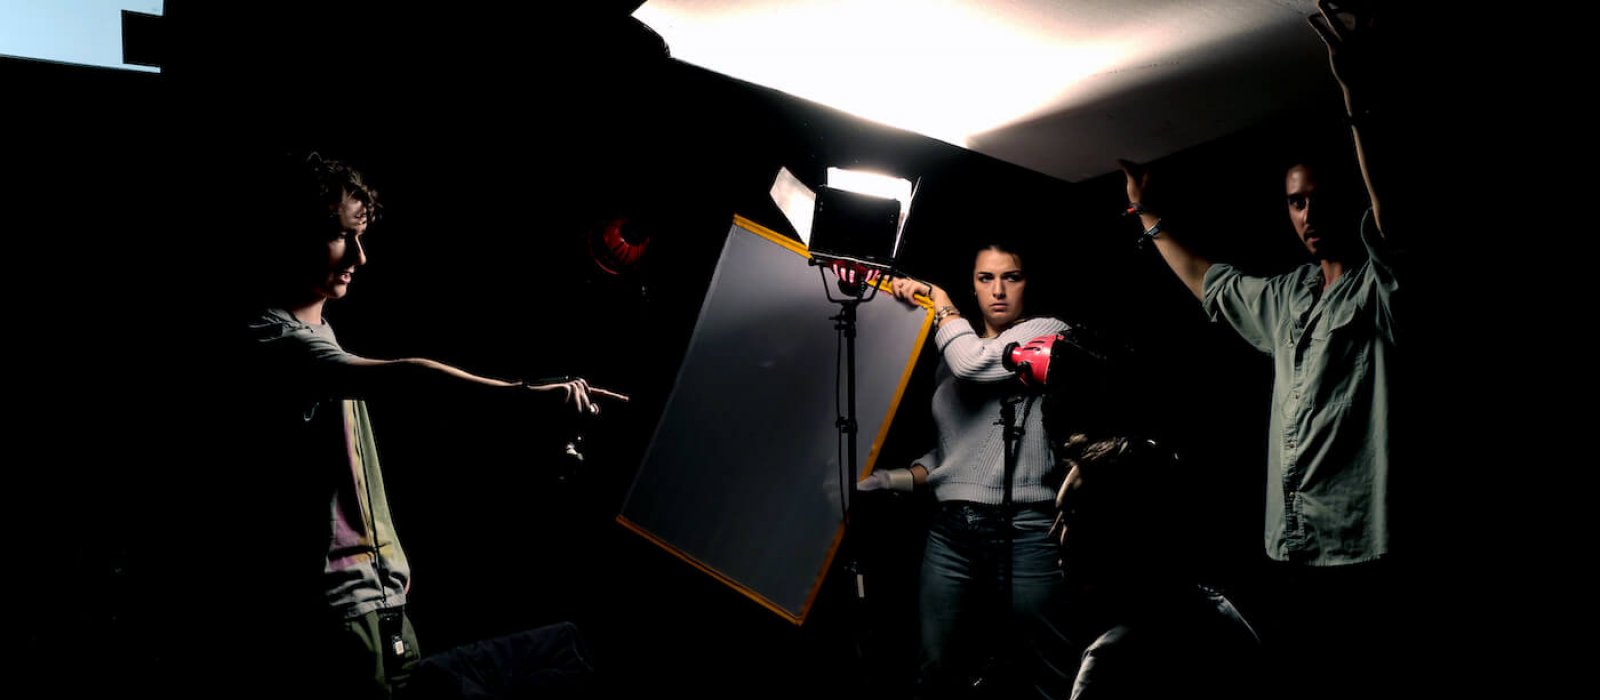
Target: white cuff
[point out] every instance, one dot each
(901, 480)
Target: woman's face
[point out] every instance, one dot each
(998, 282)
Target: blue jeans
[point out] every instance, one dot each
(966, 631)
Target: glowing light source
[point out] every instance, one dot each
(875, 184)
(943, 69)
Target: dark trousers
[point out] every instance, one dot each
(371, 657)
(1348, 631)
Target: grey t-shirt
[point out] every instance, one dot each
(365, 568)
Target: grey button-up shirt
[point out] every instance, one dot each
(1330, 438)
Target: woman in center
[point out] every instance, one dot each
(987, 551)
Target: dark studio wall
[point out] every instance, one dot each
(498, 146)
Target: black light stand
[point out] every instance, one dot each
(987, 685)
(856, 235)
(844, 323)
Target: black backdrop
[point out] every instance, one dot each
(498, 145)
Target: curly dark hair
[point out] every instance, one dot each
(314, 186)
(291, 201)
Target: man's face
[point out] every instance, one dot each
(1325, 218)
(1077, 532)
(344, 252)
(1309, 211)
(1099, 539)
(1067, 507)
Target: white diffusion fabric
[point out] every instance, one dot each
(742, 475)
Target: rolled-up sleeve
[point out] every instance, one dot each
(1250, 304)
(1384, 283)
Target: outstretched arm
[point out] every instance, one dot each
(1188, 266)
(420, 374)
(303, 356)
(1350, 31)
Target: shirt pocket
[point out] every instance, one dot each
(1338, 353)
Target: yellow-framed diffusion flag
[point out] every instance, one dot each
(742, 476)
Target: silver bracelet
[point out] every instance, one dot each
(1150, 233)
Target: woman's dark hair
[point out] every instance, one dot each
(1004, 245)
(1034, 301)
